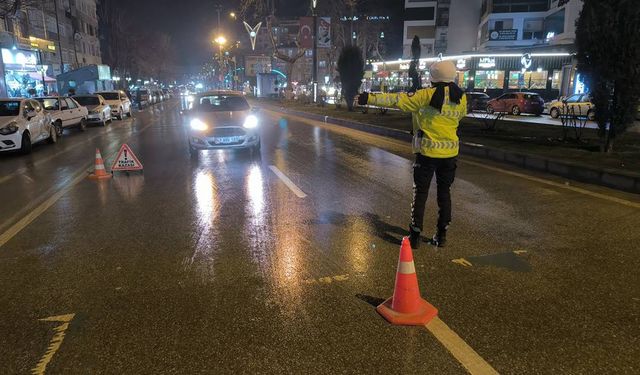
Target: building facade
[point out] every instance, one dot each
(510, 24)
(443, 26)
(44, 40)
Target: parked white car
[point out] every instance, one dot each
(65, 112)
(578, 104)
(24, 122)
(99, 110)
(119, 102)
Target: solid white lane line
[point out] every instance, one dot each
(31, 216)
(296, 190)
(621, 201)
(462, 352)
(344, 130)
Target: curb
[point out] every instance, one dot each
(602, 177)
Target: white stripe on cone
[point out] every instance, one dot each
(406, 268)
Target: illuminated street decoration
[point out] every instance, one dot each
(253, 33)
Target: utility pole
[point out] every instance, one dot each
(315, 52)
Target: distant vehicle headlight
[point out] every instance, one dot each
(199, 125)
(250, 122)
(9, 129)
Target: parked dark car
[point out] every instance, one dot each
(477, 101)
(516, 103)
(141, 98)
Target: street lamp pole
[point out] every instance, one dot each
(315, 52)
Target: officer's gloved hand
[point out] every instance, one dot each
(363, 98)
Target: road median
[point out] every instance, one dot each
(620, 179)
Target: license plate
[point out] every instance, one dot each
(227, 140)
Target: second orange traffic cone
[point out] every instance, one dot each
(406, 307)
(99, 173)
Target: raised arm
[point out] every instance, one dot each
(411, 102)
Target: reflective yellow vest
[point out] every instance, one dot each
(434, 132)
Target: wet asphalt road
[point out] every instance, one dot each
(214, 265)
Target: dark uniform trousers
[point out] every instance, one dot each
(423, 171)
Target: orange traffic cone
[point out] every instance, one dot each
(406, 307)
(99, 172)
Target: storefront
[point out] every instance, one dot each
(21, 74)
(494, 74)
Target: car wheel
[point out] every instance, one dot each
(25, 146)
(591, 115)
(82, 126)
(490, 109)
(555, 113)
(193, 152)
(58, 126)
(515, 110)
(53, 135)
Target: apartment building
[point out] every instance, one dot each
(513, 24)
(45, 39)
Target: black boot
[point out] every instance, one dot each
(414, 237)
(440, 238)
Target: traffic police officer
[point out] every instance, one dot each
(436, 114)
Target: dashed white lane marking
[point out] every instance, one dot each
(296, 190)
(461, 351)
(54, 343)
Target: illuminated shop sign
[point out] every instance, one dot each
(19, 57)
(487, 62)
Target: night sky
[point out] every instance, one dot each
(191, 23)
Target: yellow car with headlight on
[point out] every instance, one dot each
(222, 120)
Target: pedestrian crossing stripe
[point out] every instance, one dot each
(126, 160)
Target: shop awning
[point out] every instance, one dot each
(38, 77)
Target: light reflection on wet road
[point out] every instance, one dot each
(202, 264)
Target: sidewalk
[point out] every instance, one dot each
(524, 143)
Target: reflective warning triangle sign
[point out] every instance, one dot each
(126, 160)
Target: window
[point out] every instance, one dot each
(462, 79)
(556, 79)
(533, 29)
(71, 104)
(51, 24)
(529, 80)
(36, 105)
(489, 79)
(503, 24)
(217, 103)
(574, 98)
(555, 23)
(11, 108)
(50, 104)
(423, 32)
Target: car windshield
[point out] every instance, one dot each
(217, 103)
(87, 100)
(10, 108)
(110, 95)
(49, 104)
